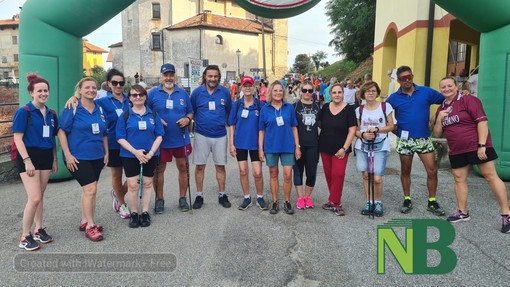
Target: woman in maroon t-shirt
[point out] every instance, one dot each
(463, 122)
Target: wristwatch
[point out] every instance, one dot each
(481, 145)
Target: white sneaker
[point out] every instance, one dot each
(124, 211)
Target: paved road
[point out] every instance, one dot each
(215, 246)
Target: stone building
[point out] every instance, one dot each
(216, 31)
(9, 47)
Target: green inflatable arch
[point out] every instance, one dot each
(492, 19)
(50, 42)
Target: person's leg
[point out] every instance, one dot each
(299, 168)
(338, 167)
(326, 164)
(160, 179)
(429, 162)
(199, 176)
(311, 162)
(243, 177)
(273, 182)
(146, 193)
(287, 182)
(133, 193)
(88, 202)
(460, 187)
(34, 198)
(496, 184)
(406, 164)
(256, 169)
(44, 176)
(119, 188)
(221, 177)
(180, 163)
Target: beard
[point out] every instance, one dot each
(212, 84)
(169, 85)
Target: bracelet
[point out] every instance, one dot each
(343, 148)
(481, 145)
(188, 119)
(377, 129)
(362, 135)
(27, 159)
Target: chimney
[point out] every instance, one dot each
(208, 16)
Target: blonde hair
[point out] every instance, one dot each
(80, 84)
(270, 90)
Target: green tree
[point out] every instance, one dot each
(302, 64)
(353, 23)
(99, 74)
(317, 58)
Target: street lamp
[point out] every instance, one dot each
(238, 53)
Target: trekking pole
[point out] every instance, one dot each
(370, 171)
(187, 168)
(157, 179)
(141, 180)
(373, 178)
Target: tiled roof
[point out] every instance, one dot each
(14, 21)
(119, 44)
(222, 23)
(93, 48)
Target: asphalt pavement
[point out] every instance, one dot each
(215, 246)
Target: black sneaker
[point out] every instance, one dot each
(134, 220)
(223, 200)
(434, 207)
(159, 206)
(458, 216)
(28, 243)
(199, 201)
(287, 207)
(245, 204)
(146, 220)
(407, 206)
(274, 207)
(505, 223)
(41, 236)
(262, 203)
(183, 204)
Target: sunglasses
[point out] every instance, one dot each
(117, 83)
(137, 95)
(307, 91)
(405, 78)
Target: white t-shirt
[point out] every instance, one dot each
(350, 96)
(372, 119)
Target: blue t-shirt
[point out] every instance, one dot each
(33, 131)
(211, 110)
(83, 143)
(278, 139)
(110, 104)
(178, 109)
(413, 112)
(246, 133)
(323, 88)
(139, 138)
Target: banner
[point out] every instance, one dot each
(195, 73)
(277, 9)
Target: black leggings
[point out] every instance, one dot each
(310, 160)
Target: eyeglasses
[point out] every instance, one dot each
(405, 78)
(371, 92)
(117, 83)
(137, 95)
(307, 91)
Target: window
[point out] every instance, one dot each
(457, 52)
(156, 41)
(15, 40)
(219, 40)
(4, 59)
(156, 11)
(15, 57)
(6, 75)
(186, 70)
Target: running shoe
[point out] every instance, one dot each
(300, 203)
(433, 207)
(458, 216)
(124, 211)
(159, 206)
(261, 203)
(328, 206)
(41, 236)
(183, 204)
(28, 243)
(134, 222)
(505, 223)
(338, 210)
(287, 207)
(83, 226)
(93, 233)
(115, 201)
(245, 204)
(378, 210)
(274, 207)
(407, 206)
(223, 200)
(308, 202)
(145, 219)
(368, 209)
(199, 201)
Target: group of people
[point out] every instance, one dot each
(138, 133)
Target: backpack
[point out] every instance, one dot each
(383, 106)
(14, 149)
(377, 145)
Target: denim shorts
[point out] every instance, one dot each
(379, 161)
(287, 159)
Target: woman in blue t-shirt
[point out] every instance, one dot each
(278, 140)
(82, 136)
(139, 133)
(34, 127)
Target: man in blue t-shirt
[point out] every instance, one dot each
(173, 105)
(211, 104)
(412, 112)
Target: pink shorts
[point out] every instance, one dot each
(167, 154)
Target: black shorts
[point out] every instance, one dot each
(88, 171)
(42, 159)
(464, 159)
(242, 155)
(114, 158)
(132, 166)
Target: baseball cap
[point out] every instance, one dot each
(167, 68)
(247, 79)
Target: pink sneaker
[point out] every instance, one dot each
(83, 226)
(93, 233)
(300, 203)
(308, 202)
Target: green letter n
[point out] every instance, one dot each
(404, 256)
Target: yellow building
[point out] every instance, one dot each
(426, 38)
(92, 56)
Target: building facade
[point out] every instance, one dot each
(9, 48)
(218, 32)
(92, 57)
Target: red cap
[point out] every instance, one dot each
(247, 79)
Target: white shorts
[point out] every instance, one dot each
(204, 145)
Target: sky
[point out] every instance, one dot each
(308, 32)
